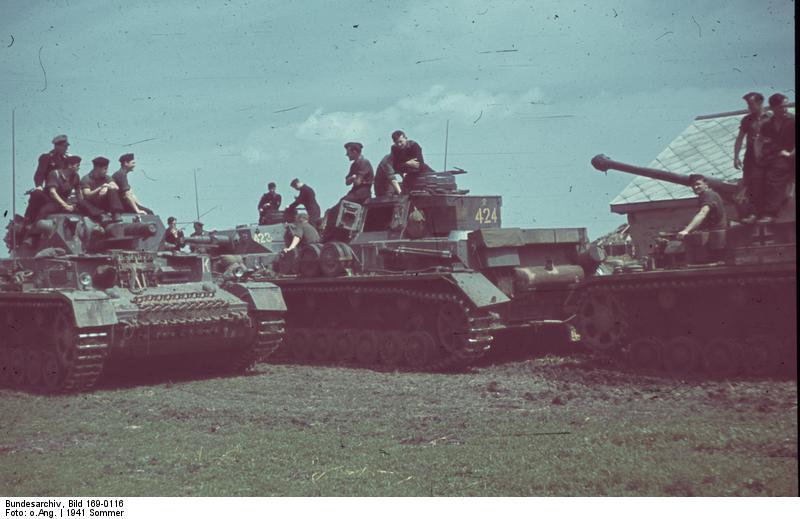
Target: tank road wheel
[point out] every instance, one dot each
(17, 358)
(680, 355)
(760, 355)
(390, 349)
(321, 346)
(646, 353)
(344, 345)
(33, 368)
(419, 348)
(5, 366)
(722, 357)
(52, 371)
(452, 326)
(601, 322)
(301, 345)
(367, 347)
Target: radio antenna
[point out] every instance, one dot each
(196, 198)
(13, 180)
(446, 136)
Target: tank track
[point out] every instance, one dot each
(410, 345)
(663, 325)
(43, 351)
(268, 337)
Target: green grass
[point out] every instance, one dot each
(544, 427)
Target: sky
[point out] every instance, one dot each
(241, 93)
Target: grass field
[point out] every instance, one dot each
(554, 425)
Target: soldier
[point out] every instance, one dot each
(386, 179)
(307, 198)
(300, 234)
(711, 215)
(198, 230)
(52, 160)
(360, 175)
(99, 190)
(173, 236)
(269, 204)
(407, 157)
(60, 184)
(120, 178)
(752, 171)
(779, 158)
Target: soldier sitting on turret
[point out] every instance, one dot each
(711, 215)
(120, 178)
(50, 161)
(61, 183)
(173, 236)
(269, 205)
(360, 175)
(407, 158)
(99, 190)
(386, 179)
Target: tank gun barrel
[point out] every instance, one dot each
(141, 230)
(603, 163)
(411, 251)
(218, 242)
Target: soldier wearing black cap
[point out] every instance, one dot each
(120, 178)
(269, 205)
(307, 198)
(60, 185)
(711, 215)
(360, 175)
(407, 158)
(52, 160)
(779, 157)
(173, 237)
(752, 170)
(99, 190)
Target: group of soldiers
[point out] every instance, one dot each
(403, 163)
(58, 188)
(768, 168)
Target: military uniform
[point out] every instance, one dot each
(64, 182)
(110, 202)
(400, 156)
(384, 175)
(270, 203)
(716, 218)
(308, 199)
(305, 231)
(779, 136)
(752, 166)
(361, 169)
(48, 162)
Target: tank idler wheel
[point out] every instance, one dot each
(390, 349)
(722, 357)
(52, 371)
(321, 346)
(601, 322)
(300, 345)
(419, 348)
(33, 369)
(646, 353)
(452, 327)
(681, 355)
(5, 366)
(17, 365)
(760, 355)
(344, 345)
(367, 347)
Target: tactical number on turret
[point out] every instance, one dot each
(486, 215)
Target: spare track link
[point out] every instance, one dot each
(476, 344)
(78, 369)
(763, 281)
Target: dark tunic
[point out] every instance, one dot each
(751, 125)
(308, 199)
(716, 218)
(120, 178)
(361, 169)
(269, 202)
(305, 231)
(110, 201)
(48, 162)
(64, 180)
(175, 240)
(402, 155)
(384, 176)
(779, 135)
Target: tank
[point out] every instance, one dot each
(76, 296)
(719, 303)
(422, 281)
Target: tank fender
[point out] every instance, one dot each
(91, 308)
(265, 296)
(478, 289)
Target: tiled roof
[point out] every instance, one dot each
(705, 147)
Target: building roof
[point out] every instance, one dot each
(705, 147)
